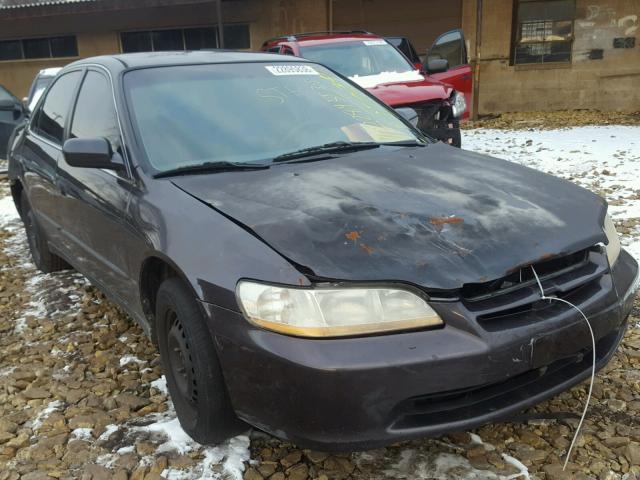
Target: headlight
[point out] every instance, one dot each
(324, 312)
(458, 104)
(613, 241)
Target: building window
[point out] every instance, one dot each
(31, 48)
(235, 37)
(543, 31)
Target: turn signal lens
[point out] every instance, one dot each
(327, 312)
(613, 240)
(458, 104)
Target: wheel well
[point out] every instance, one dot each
(154, 271)
(16, 193)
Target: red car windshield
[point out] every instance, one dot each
(358, 58)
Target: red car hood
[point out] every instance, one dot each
(405, 93)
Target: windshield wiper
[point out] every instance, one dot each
(405, 143)
(210, 167)
(333, 147)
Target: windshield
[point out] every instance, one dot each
(359, 58)
(250, 112)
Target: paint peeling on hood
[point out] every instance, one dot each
(434, 216)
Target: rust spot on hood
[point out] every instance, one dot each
(440, 221)
(353, 236)
(367, 248)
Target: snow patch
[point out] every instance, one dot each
(4, 372)
(82, 434)
(45, 412)
(370, 81)
(177, 438)
(231, 454)
(109, 430)
(477, 440)
(524, 471)
(161, 385)
(8, 212)
(131, 359)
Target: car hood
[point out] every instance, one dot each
(398, 93)
(434, 216)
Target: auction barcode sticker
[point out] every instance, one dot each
(291, 70)
(373, 43)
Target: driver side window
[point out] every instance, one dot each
(95, 114)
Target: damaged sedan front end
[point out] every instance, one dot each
(313, 265)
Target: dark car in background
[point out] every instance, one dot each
(305, 259)
(12, 113)
(376, 65)
(16, 112)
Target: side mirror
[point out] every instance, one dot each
(437, 65)
(8, 105)
(409, 114)
(91, 153)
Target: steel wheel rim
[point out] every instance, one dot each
(181, 361)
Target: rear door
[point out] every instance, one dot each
(42, 150)
(451, 46)
(11, 114)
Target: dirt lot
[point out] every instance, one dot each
(551, 120)
(82, 393)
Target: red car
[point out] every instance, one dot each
(377, 65)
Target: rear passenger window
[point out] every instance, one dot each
(50, 120)
(95, 114)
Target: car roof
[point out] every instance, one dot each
(162, 59)
(316, 38)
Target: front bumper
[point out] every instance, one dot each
(448, 135)
(435, 119)
(360, 393)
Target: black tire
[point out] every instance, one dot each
(44, 260)
(191, 365)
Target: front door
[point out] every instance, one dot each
(451, 46)
(94, 205)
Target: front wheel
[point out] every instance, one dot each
(191, 365)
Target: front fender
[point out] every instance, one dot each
(210, 250)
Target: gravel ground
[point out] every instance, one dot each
(553, 120)
(82, 393)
